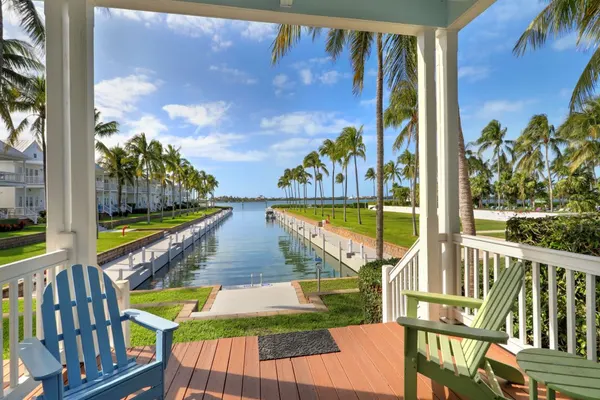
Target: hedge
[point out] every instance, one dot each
(369, 284)
(572, 233)
(326, 206)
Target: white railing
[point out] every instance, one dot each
(22, 212)
(34, 180)
(395, 279)
(11, 177)
(99, 185)
(557, 306)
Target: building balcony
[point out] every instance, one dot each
(34, 180)
(9, 178)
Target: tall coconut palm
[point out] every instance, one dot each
(160, 174)
(118, 164)
(371, 175)
(146, 151)
(360, 45)
(493, 137)
(330, 149)
(558, 19)
(103, 129)
(184, 168)
(539, 134)
(339, 178)
(310, 161)
(172, 159)
(289, 178)
(211, 185)
(392, 172)
(31, 23)
(353, 141)
(581, 130)
(409, 160)
(282, 184)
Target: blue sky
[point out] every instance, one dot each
(208, 86)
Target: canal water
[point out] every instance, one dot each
(242, 248)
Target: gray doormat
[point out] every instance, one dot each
(296, 344)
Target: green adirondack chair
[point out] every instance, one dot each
(430, 348)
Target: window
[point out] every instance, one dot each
(34, 155)
(36, 172)
(20, 201)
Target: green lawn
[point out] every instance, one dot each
(397, 228)
(169, 222)
(107, 241)
(28, 230)
(344, 310)
(329, 284)
(164, 296)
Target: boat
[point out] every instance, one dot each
(269, 214)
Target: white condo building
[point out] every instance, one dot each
(22, 188)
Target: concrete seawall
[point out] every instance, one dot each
(352, 254)
(138, 266)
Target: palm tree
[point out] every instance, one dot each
(211, 184)
(147, 153)
(330, 149)
(184, 166)
(103, 129)
(310, 161)
(339, 178)
(581, 131)
(392, 171)
(559, 18)
(172, 161)
(353, 141)
(360, 44)
(119, 165)
(539, 133)
(370, 175)
(289, 178)
(31, 22)
(493, 137)
(409, 171)
(160, 174)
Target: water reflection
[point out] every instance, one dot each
(246, 244)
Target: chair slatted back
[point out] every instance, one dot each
(493, 312)
(85, 326)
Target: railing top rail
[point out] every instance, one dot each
(18, 269)
(557, 258)
(406, 258)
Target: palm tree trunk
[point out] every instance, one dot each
(321, 189)
(345, 190)
(464, 187)
(357, 193)
(173, 199)
(315, 180)
(549, 181)
(137, 188)
(162, 206)
(180, 196)
(333, 190)
(148, 198)
(379, 112)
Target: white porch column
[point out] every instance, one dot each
(429, 268)
(447, 82)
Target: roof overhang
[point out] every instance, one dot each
(387, 16)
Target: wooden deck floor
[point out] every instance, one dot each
(369, 366)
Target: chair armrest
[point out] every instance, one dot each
(150, 321)
(454, 330)
(446, 299)
(40, 363)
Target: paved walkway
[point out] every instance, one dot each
(276, 297)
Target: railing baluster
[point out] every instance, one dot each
(552, 308)
(509, 318)
(27, 313)
(537, 332)
(394, 301)
(522, 312)
(402, 288)
(13, 331)
(467, 277)
(590, 316)
(475, 274)
(496, 266)
(399, 297)
(458, 270)
(486, 273)
(571, 334)
(39, 290)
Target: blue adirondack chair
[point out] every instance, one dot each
(104, 380)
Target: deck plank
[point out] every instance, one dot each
(251, 382)
(218, 373)
(235, 370)
(199, 379)
(185, 371)
(288, 389)
(304, 380)
(340, 381)
(323, 384)
(269, 388)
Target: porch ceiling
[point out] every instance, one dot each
(387, 16)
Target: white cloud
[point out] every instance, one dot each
(310, 123)
(306, 76)
(118, 96)
(496, 108)
(215, 146)
(257, 31)
(234, 74)
(148, 124)
(199, 115)
(510, 10)
(295, 144)
(473, 73)
(567, 42)
(368, 102)
(282, 84)
(148, 18)
(331, 77)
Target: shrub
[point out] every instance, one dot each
(10, 227)
(349, 204)
(572, 233)
(369, 284)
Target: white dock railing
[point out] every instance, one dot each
(557, 306)
(395, 279)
